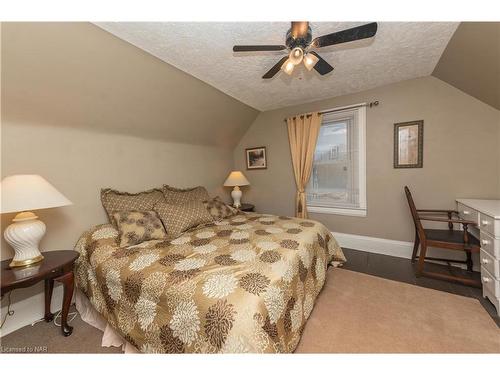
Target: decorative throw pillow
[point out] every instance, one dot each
(179, 196)
(218, 209)
(115, 201)
(178, 218)
(138, 226)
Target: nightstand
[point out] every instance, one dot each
(56, 266)
(247, 207)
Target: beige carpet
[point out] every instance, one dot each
(359, 313)
(355, 313)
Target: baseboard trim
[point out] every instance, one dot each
(399, 249)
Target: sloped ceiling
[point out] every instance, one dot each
(398, 52)
(471, 61)
(78, 75)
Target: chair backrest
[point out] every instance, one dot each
(414, 213)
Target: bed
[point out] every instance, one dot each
(244, 284)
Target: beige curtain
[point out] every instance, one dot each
(303, 133)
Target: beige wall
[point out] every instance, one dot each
(461, 155)
(76, 75)
(87, 110)
(80, 162)
(471, 61)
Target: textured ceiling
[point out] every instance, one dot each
(399, 51)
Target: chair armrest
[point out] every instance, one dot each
(442, 219)
(452, 211)
(450, 221)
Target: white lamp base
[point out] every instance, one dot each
(236, 195)
(24, 235)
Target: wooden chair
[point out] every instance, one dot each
(445, 239)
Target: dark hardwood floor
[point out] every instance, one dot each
(400, 269)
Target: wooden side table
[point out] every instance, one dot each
(247, 207)
(56, 266)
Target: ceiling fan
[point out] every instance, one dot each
(300, 44)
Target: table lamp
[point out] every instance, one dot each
(236, 179)
(22, 193)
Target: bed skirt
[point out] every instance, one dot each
(92, 317)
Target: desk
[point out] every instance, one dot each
(486, 212)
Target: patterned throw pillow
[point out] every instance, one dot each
(178, 218)
(138, 226)
(218, 209)
(179, 196)
(115, 201)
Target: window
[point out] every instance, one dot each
(338, 178)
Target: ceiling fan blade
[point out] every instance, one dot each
(275, 69)
(344, 36)
(322, 67)
(258, 48)
(299, 29)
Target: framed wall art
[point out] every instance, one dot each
(409, 144)
(256, 158)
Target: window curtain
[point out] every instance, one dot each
(303, 133)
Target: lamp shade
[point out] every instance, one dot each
(28, 192)
(236, 178)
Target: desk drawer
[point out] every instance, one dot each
(490, 244)
(491, 264)
(490, 283)
(467, 213)
(490, 225)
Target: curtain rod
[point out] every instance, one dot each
(337, 109)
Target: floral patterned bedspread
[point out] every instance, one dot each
(246, 284)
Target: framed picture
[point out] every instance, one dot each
(256, 158)
(409, 144)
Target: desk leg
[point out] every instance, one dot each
(68, 283)
(49, 286)
(469, 261)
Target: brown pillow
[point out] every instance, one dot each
(178, 196)
(138, 226)
(218, 209)
(178, 218)
(115, 201)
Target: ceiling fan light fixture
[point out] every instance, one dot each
(296, 56)
(299, 40)
(310, 60)
(288, 66)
